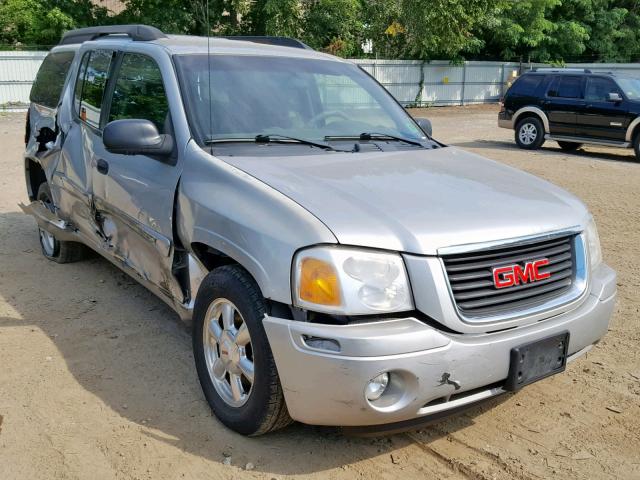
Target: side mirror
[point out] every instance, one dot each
(136, 137)
(425, 125)
(615, 97)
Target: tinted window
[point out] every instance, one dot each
(77, 92)
(568, 87)
(598, 89)
(92, 80)
(526, 85)
(139, 91)
(48, 85)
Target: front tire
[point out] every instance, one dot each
(569, 146)
(233, 358)
(636, 146)
(529, 133)
(52, 248)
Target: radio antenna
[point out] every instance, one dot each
(209, 71)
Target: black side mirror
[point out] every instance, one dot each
(615, 97)
(136, 137)
(425, 125)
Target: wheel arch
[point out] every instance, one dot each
(531, 111)
(632, 130)
(34, 176)
(212, 254)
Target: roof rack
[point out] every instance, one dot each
(143, 33)
(551, 69)
(279, 41)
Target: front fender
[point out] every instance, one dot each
(240, 216)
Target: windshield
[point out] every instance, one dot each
(630, 87)
(301, 98)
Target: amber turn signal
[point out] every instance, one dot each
(319, 283)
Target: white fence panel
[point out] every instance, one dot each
(17, 72)
(411, 82)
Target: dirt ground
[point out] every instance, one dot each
(97, 379)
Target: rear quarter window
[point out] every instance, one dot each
(50, 79)
(526, 85)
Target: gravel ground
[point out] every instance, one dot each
(97, 379)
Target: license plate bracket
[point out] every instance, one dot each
(536, 360)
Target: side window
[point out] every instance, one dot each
(526, 85)
(567, 87)
(139, 91)
(598, 89)
(90, 86)
(50, 79)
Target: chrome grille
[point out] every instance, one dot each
(471, 277)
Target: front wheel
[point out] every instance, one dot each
(636, 146)
(235, 365)
(529, 133)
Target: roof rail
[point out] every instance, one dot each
(142, 33)
(279, 41)
(552, 69)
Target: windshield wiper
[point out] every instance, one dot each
(273, 138)
(374, 136)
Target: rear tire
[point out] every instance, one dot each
(529, 133)
(569, 146)
(233, 358)
(52, 248)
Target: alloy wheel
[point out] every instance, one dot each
(528, 133)
(228, 352)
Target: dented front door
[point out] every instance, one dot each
(134, 194)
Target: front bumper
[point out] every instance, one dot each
(326, 387)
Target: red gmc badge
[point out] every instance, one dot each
(511, 275)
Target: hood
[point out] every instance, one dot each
(417, 201)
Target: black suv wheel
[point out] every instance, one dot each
(636, 146)
(530, 133)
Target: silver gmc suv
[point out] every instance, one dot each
(338, 264)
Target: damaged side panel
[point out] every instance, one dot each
(126, 216)
(238, 216)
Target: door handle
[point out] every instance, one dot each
(103, 166)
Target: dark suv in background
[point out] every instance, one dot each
(573, 107)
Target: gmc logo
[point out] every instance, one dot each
(516, 274)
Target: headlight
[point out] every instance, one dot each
(593, 244)
(349, 281)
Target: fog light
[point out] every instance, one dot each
(376, 387)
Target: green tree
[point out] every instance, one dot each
(429, 29)
(335, 26)
(41, 22)
(611, 28)
(521, 29)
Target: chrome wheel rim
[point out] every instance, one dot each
(528, 133)
(47, 241)
(228, 352)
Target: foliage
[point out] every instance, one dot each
(40, 22)
(535, 30)
(335, 26)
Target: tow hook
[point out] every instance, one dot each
(446, 380)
